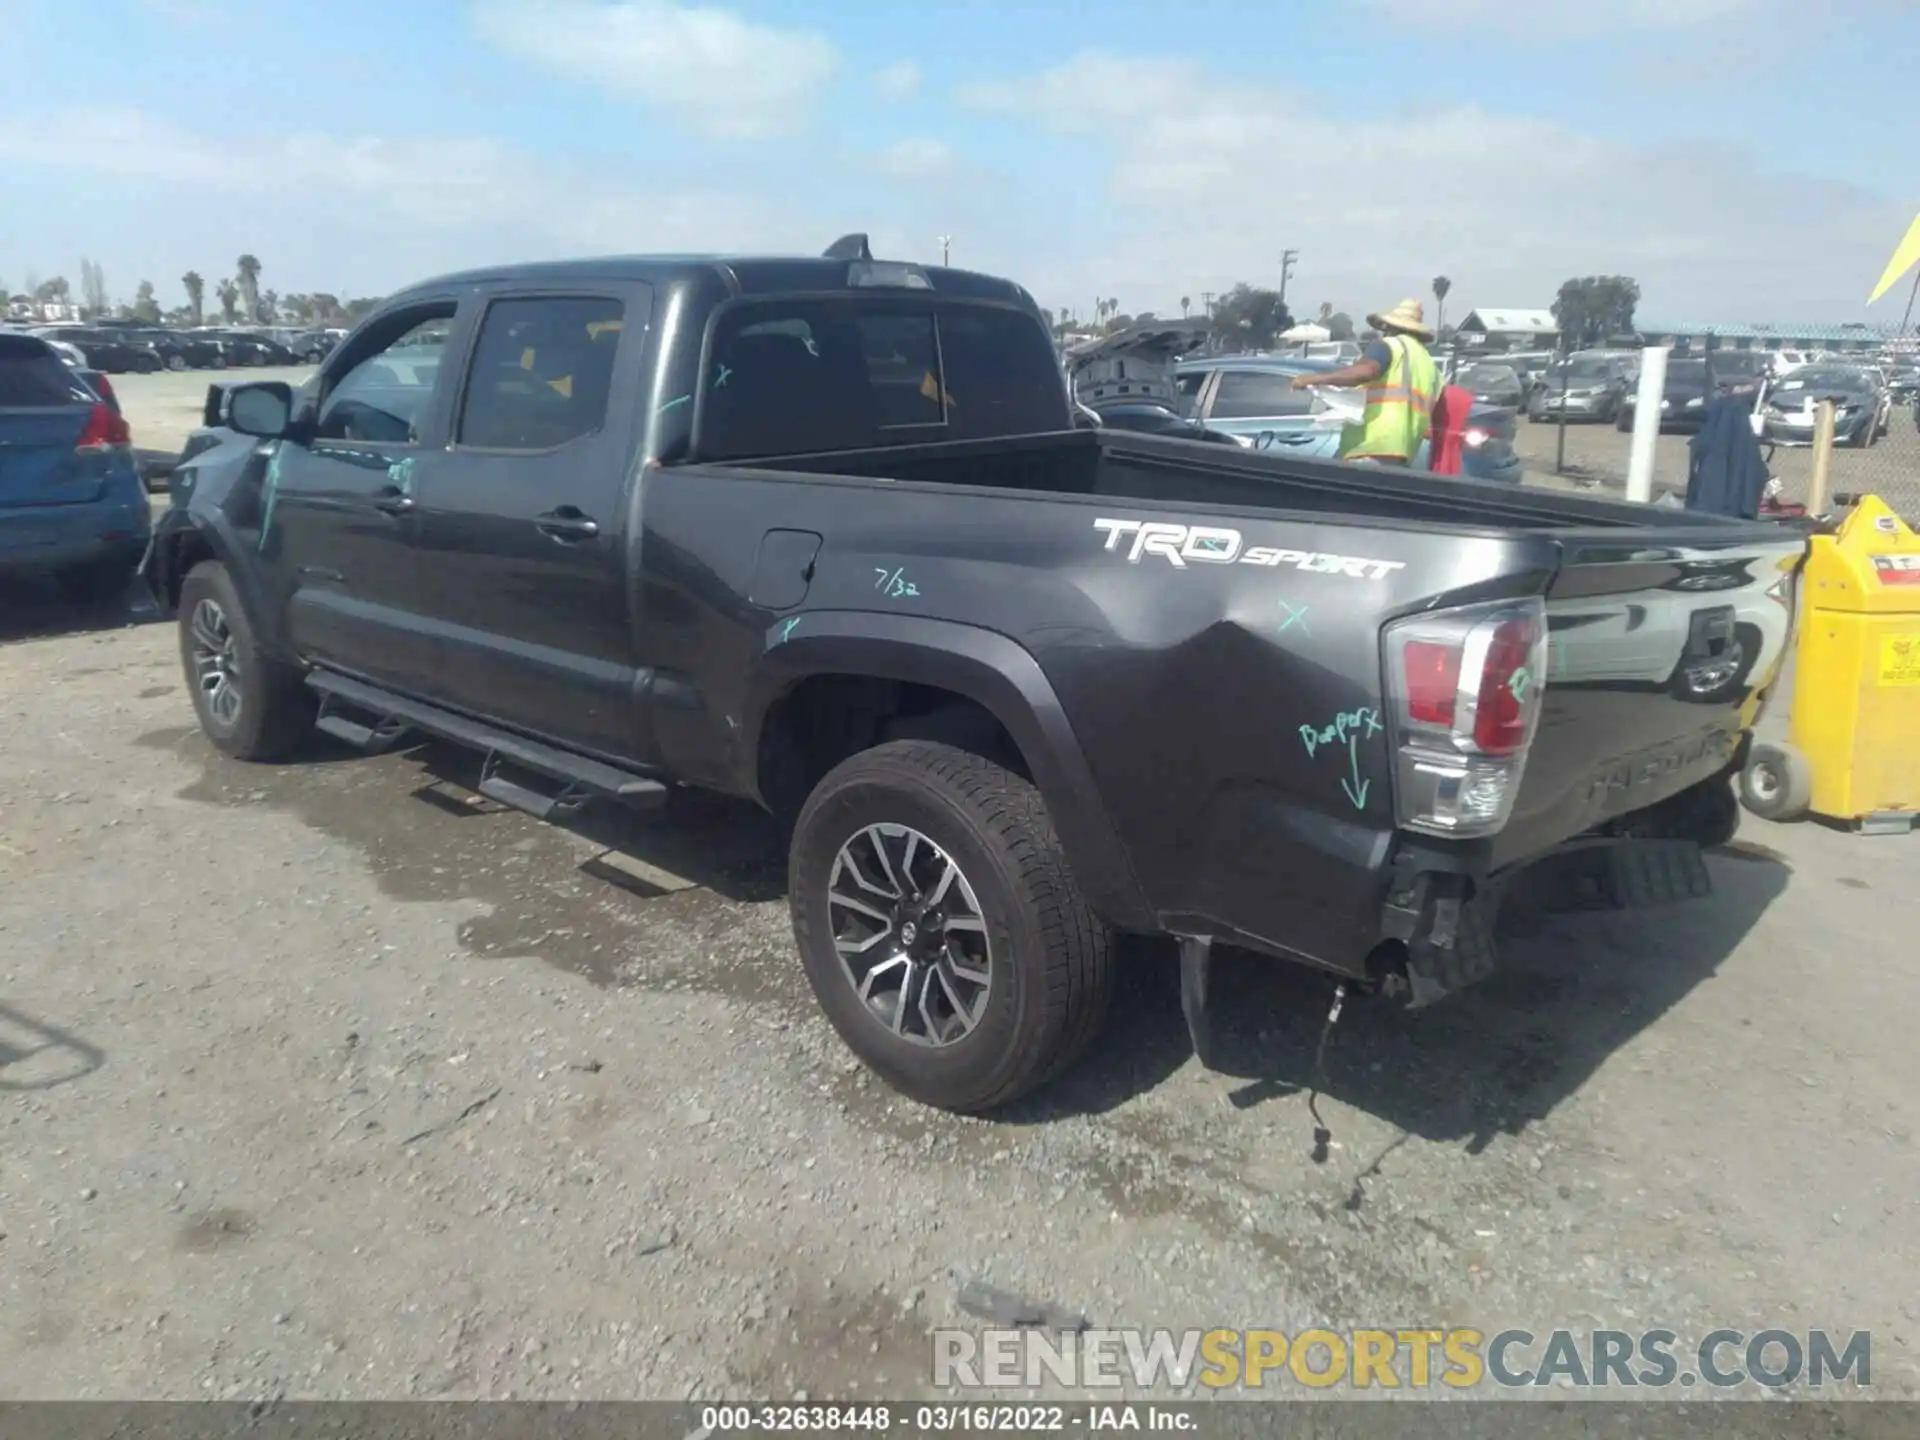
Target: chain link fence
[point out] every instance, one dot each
(1877, 439)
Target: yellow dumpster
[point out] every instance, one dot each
(1855, 753)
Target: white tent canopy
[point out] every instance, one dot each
(1307, 333)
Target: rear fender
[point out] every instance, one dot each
(993, 672)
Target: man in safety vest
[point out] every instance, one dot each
(1402, 383)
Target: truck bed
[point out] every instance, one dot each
(1122, 465)
(1186, 683)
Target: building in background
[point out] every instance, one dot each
(1500, 328)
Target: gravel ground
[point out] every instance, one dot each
(327, 1081)
(324, 1080)
(1597, 454)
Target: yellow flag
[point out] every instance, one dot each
(1903, 260)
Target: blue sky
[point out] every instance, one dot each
(1744, 159)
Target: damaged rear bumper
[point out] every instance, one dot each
(1439, 926)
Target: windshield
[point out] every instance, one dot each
(1589, 370)
(1839, 375)
(1488, 377)
(1687, 372)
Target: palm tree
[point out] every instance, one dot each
(196, 295)
(1441, 285)
(249, 274)
(1186, 304)
(229, 294)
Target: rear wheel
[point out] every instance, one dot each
(251, 706)
(176, 362)
(1777, 783)
(940, 927)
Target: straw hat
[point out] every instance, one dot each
(1407, 315)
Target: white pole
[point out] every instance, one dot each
(1646, 422)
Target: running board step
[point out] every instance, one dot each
(333, 720)
(578, 776)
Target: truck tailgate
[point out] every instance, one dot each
(1661, 646)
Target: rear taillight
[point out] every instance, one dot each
(105, 430)
(1465, 688)
(103, 387)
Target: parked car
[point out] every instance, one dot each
(1738, 372)
(113, 351)
(1253, 396)
(1683, 398)
(1135, 363)
(184, 349)
(1153, 417)
(1020, 687)
(1492, 384)
(1584, 387)
(1862, 410)
(241, 348)
(71, 502)
(311, 346)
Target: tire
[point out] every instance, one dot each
(1777, 783)
(1047, 959)
(176, 362)
(1622, 421)
(272, 710)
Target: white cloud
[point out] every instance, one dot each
(1208, 178)
(718, 74)
(915, 158)
(898, 81)
(326, 210)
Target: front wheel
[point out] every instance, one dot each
(1623, 421)
(251, 706)
(176, 362)
(941, 928)
(1777, 783)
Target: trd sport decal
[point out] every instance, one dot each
(1216, 545)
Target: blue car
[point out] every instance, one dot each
(1252, 397)
(72, 505)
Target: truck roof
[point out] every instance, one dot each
(742, 274)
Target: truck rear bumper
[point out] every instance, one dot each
(1439, 927)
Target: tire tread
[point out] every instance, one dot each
(1076, 947)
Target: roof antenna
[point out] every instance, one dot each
(848, 247)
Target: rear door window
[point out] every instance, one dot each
(32, 377)
(796, 377)
(1259, 395)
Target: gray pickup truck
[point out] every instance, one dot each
(821, 532)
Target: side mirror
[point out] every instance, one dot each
(263, 409)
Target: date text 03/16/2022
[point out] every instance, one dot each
(943, 1418)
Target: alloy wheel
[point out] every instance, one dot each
(216, 668)
(910, 934)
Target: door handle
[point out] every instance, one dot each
(392, 501)
(568, 524)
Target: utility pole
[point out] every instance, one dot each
(946, 249)
(1904, 319)
(1287, 257)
